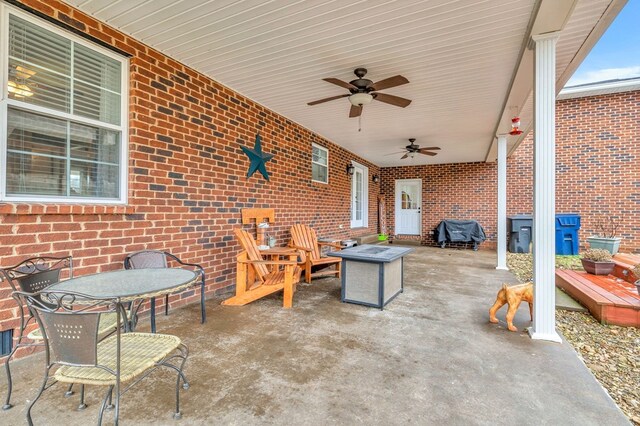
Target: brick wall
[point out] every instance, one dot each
(597, 175)
(449, 191)
(597, 165)
(187, 181)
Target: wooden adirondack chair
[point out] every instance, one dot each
(257, 277)
(305, 239)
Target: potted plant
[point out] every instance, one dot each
(597, 262)
(636, 272)
(606, 239)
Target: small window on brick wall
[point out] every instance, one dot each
(6, 342)
(64, 113)
(319, 164)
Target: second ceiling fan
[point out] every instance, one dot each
(412, 149)
(362, 91)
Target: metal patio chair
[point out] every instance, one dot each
(160, 259)
(71, 333)
(31, 275)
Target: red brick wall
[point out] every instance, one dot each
(597, 174)
(597, 165)
(187, 181)
(449, 191)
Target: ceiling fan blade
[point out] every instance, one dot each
(391, 99)
(396, 80)
(327, 99)
(431, 148)
(394, 153)
(355, 111)
(404, 156)
(340, 83)
(427, 152)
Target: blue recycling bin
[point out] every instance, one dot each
(567, 227)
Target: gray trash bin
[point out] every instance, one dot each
(520, 233)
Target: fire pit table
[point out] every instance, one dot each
(372, 275)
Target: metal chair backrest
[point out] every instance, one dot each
(69, 324)
(37, 273)
(146, 259)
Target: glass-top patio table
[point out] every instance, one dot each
(129, 285)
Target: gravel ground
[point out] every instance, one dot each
(612, 353)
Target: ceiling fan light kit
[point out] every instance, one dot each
(360, 99)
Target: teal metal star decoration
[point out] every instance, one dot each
(258, 158)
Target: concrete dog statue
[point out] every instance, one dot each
(513, 295)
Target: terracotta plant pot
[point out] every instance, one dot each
(597, 268)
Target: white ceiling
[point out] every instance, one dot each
(459, 56)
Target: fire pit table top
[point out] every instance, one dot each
(372, 253)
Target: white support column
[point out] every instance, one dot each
(502, 203)
(544, 189)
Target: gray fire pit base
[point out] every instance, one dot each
(372, 275)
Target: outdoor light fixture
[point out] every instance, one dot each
(350, 169)
(359, 99)
(375, 178)
(515, 126)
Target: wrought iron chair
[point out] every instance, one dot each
(159, 259)
(71, 331)
(31, 275)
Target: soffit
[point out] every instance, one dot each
(459, 57)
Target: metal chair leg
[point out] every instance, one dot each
(185, 352)
(203, 313)
(107, 397)
(69, 391)
(166, 304)
(153, 314)
(82, 405)
(7, 404)
(42, 387)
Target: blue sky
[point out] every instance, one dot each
(617, 53)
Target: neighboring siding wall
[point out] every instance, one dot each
(187, 181)
(598, 173)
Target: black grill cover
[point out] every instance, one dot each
(459, 231)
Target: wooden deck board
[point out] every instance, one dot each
(609, 299)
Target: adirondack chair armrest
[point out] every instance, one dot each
(334, 245)
(308, 250)
(269, 262)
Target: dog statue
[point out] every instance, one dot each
(513, 295)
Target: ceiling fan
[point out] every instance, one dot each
(412, 149)
(362, 91)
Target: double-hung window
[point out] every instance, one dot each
(319, 164)
(63, 115)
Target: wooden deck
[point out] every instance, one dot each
(610, 300)
(624, 262)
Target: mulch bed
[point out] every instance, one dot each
(612, 353)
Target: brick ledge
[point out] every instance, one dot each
(52, 209)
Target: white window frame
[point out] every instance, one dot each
(321, 148)
(5, 102)
(364, 170)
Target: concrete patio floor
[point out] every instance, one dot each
(431, 357)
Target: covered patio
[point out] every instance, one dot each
(431, 357)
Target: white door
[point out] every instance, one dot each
(408, 206)
(359, 196)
